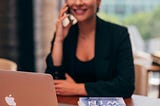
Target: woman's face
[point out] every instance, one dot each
(83, 9)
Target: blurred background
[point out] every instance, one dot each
(27, 27)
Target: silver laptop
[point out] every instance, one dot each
(26, 89)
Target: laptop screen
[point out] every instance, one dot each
(26, 89)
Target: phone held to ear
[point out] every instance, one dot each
(69, 19)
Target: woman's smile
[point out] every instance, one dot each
(79, 11)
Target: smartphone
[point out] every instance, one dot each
(69, 19)
(68, 11)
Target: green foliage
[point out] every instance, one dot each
(110, 18)
(155, 23)
(141, 21)
(147, 23)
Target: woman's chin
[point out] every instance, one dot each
(80, 20)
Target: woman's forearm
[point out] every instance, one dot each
(57, 53)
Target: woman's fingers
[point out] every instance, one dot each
(62, 19)
(63, 11)
(58, 81)
(69, 78)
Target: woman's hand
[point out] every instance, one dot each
(61, 31)
(69, 87)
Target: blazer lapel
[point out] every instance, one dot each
(102, 40)
(102, 50)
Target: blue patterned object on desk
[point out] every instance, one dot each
(101, 101)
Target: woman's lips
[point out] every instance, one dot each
(80, 11)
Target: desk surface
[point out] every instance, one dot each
(136, 100)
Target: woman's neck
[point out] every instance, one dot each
(87, 28)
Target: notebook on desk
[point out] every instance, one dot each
(26, 89)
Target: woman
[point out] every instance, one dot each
(95, 55)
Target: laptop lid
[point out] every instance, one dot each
(26, 89)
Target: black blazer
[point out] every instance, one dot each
(114, 69)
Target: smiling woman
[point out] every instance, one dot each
(92, 57)
(84, 9)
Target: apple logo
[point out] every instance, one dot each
(10, 100)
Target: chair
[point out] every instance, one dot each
(155, 69)
(6, 64)
(141, 80)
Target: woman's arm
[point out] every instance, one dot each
(54, 59)
(69, 87)
(57, 53)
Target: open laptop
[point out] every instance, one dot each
(26, 89)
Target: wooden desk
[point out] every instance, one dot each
(136, 100)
